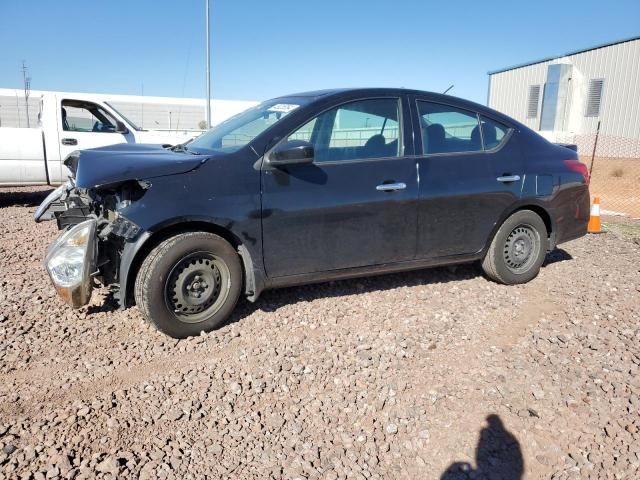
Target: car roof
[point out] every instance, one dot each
(347, 93)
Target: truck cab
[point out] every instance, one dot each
(32, 156)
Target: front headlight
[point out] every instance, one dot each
(71, 260)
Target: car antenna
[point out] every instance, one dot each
(450, 87)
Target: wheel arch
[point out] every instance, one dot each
(134, 254)
(542, 213)
(537, 208)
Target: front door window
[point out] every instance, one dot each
(358, 130)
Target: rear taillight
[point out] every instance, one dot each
(579, 167)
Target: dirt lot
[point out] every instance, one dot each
(431, 374)
(617, 182)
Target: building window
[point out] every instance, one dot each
(534, 101)
(594, 97)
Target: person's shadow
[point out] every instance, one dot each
(498, 456)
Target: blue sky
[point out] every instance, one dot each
(262, 48)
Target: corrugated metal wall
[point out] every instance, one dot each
(618, 65)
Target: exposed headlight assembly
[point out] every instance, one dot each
(70, 261)
(41, 212)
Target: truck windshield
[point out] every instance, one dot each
(131, 124)
(236, 132)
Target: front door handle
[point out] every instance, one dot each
(508, 178)
(69, 141)
(391, 187)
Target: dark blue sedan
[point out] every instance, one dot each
(306, 188)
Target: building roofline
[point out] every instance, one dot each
(574, 52)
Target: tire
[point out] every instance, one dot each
(517, 250)
(189, 283)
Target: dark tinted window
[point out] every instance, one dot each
(493, 132)
(356, 130)
(447, 129)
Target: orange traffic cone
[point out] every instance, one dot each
(594, 219)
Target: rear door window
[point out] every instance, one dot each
(447, 129)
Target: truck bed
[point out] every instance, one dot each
(22, 157)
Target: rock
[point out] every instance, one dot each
(147, 471)
(9, 449)
(83, 412)
(392, 429)
(215, 449)
(175, 415)
(53, 472)
(108, 465)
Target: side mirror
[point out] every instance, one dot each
(291, 153)
(121, 127)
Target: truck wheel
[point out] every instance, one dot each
(189, 283)
(517, 250)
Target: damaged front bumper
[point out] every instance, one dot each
(71, 261)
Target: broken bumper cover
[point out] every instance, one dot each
(70, 262)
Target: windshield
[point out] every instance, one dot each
(236, 132)
(131, 124)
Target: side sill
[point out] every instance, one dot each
(343, 274)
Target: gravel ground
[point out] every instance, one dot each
(432, 374)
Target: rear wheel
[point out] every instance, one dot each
(189, 283)
(518, 249)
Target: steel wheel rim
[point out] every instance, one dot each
(197, 286)
(521, 248)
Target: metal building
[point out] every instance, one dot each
(572, 93)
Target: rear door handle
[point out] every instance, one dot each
(69, 141)
(391, 187)
(508, 178)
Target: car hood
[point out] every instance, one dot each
(98, 167)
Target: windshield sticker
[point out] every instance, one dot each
(283, 107)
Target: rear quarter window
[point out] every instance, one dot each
(493, 133)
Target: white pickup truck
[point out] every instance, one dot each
(32, 156)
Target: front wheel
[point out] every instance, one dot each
(189, 283)
(518, 249)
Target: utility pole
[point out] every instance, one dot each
(27, 90)
(208, 63)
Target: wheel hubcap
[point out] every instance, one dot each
(194, 288)
(521, 248)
